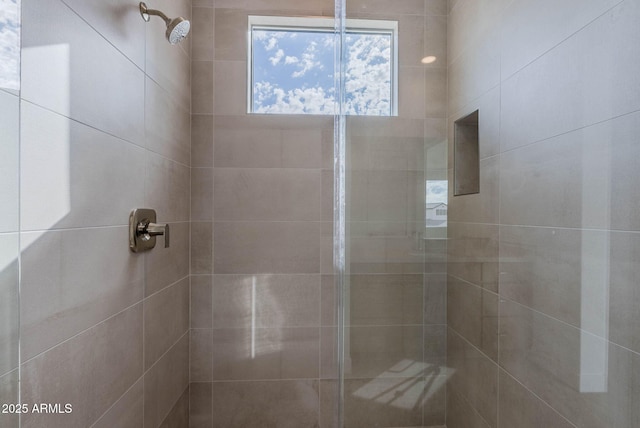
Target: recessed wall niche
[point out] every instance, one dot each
(466, 161)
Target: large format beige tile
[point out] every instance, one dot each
(202, 82)
(167, 124)
(542, 25)
(69, 283)
(473, 313)
(475, 71)
(167, 189)
(201, 140)
(69, 68)
(385, 351)
(520, 408)
(247, 141)
(164, 266)
(201, 355)
(393, 402)
(567, 89)
(118, 22)
(411, 38)
(9, 302)
(474, 378)
(200, 405)
(282, 404)
(472, 254)
(625, 175)
(563, 273)
(624, 295)
(178, 416)
(472, 20)
(589, 381)
(9, 161)
(267, 194)
(328, 302)
(201, 306)
(242, 301)
(90, 372)
(63, 168)
(382, 7)
(267, 247)
(435, 37)
(201, 248)
(202, 194)
(165, 383)
(436, 8)
(231, 34)
(230, 82)
(435, 347)
(386, 152)
(570, 176)
(411, 83)
(9, 394)
(266, 353)
(386, 299)
(126, 412)
(386, 195)
(461, 414)
(166, 318)
(202, 33)
(482, 207)
(435, 298)
(435, 84)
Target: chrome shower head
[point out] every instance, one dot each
(177, 28)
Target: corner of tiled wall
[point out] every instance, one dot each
(201, 268)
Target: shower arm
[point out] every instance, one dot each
(146, 13)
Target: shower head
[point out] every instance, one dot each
(177, 28)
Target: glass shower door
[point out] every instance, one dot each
(392, 274)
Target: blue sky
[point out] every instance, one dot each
(293, 72)
(9, 44)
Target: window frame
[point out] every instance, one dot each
(324, 25)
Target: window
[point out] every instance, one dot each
(291, 66)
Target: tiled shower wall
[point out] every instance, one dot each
(104, 129)
(543, 273)
(263, 312)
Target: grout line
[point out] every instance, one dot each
(140, 379)
(563, 41)
(535, 395)
(566, 324)
(570, 131)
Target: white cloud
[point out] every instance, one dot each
(272, 43)
(368, 76)
(291, 60)
(308, 61)
(275, 100)
(275, 60)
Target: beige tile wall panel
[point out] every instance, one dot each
(79, 372)
(63, 57)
